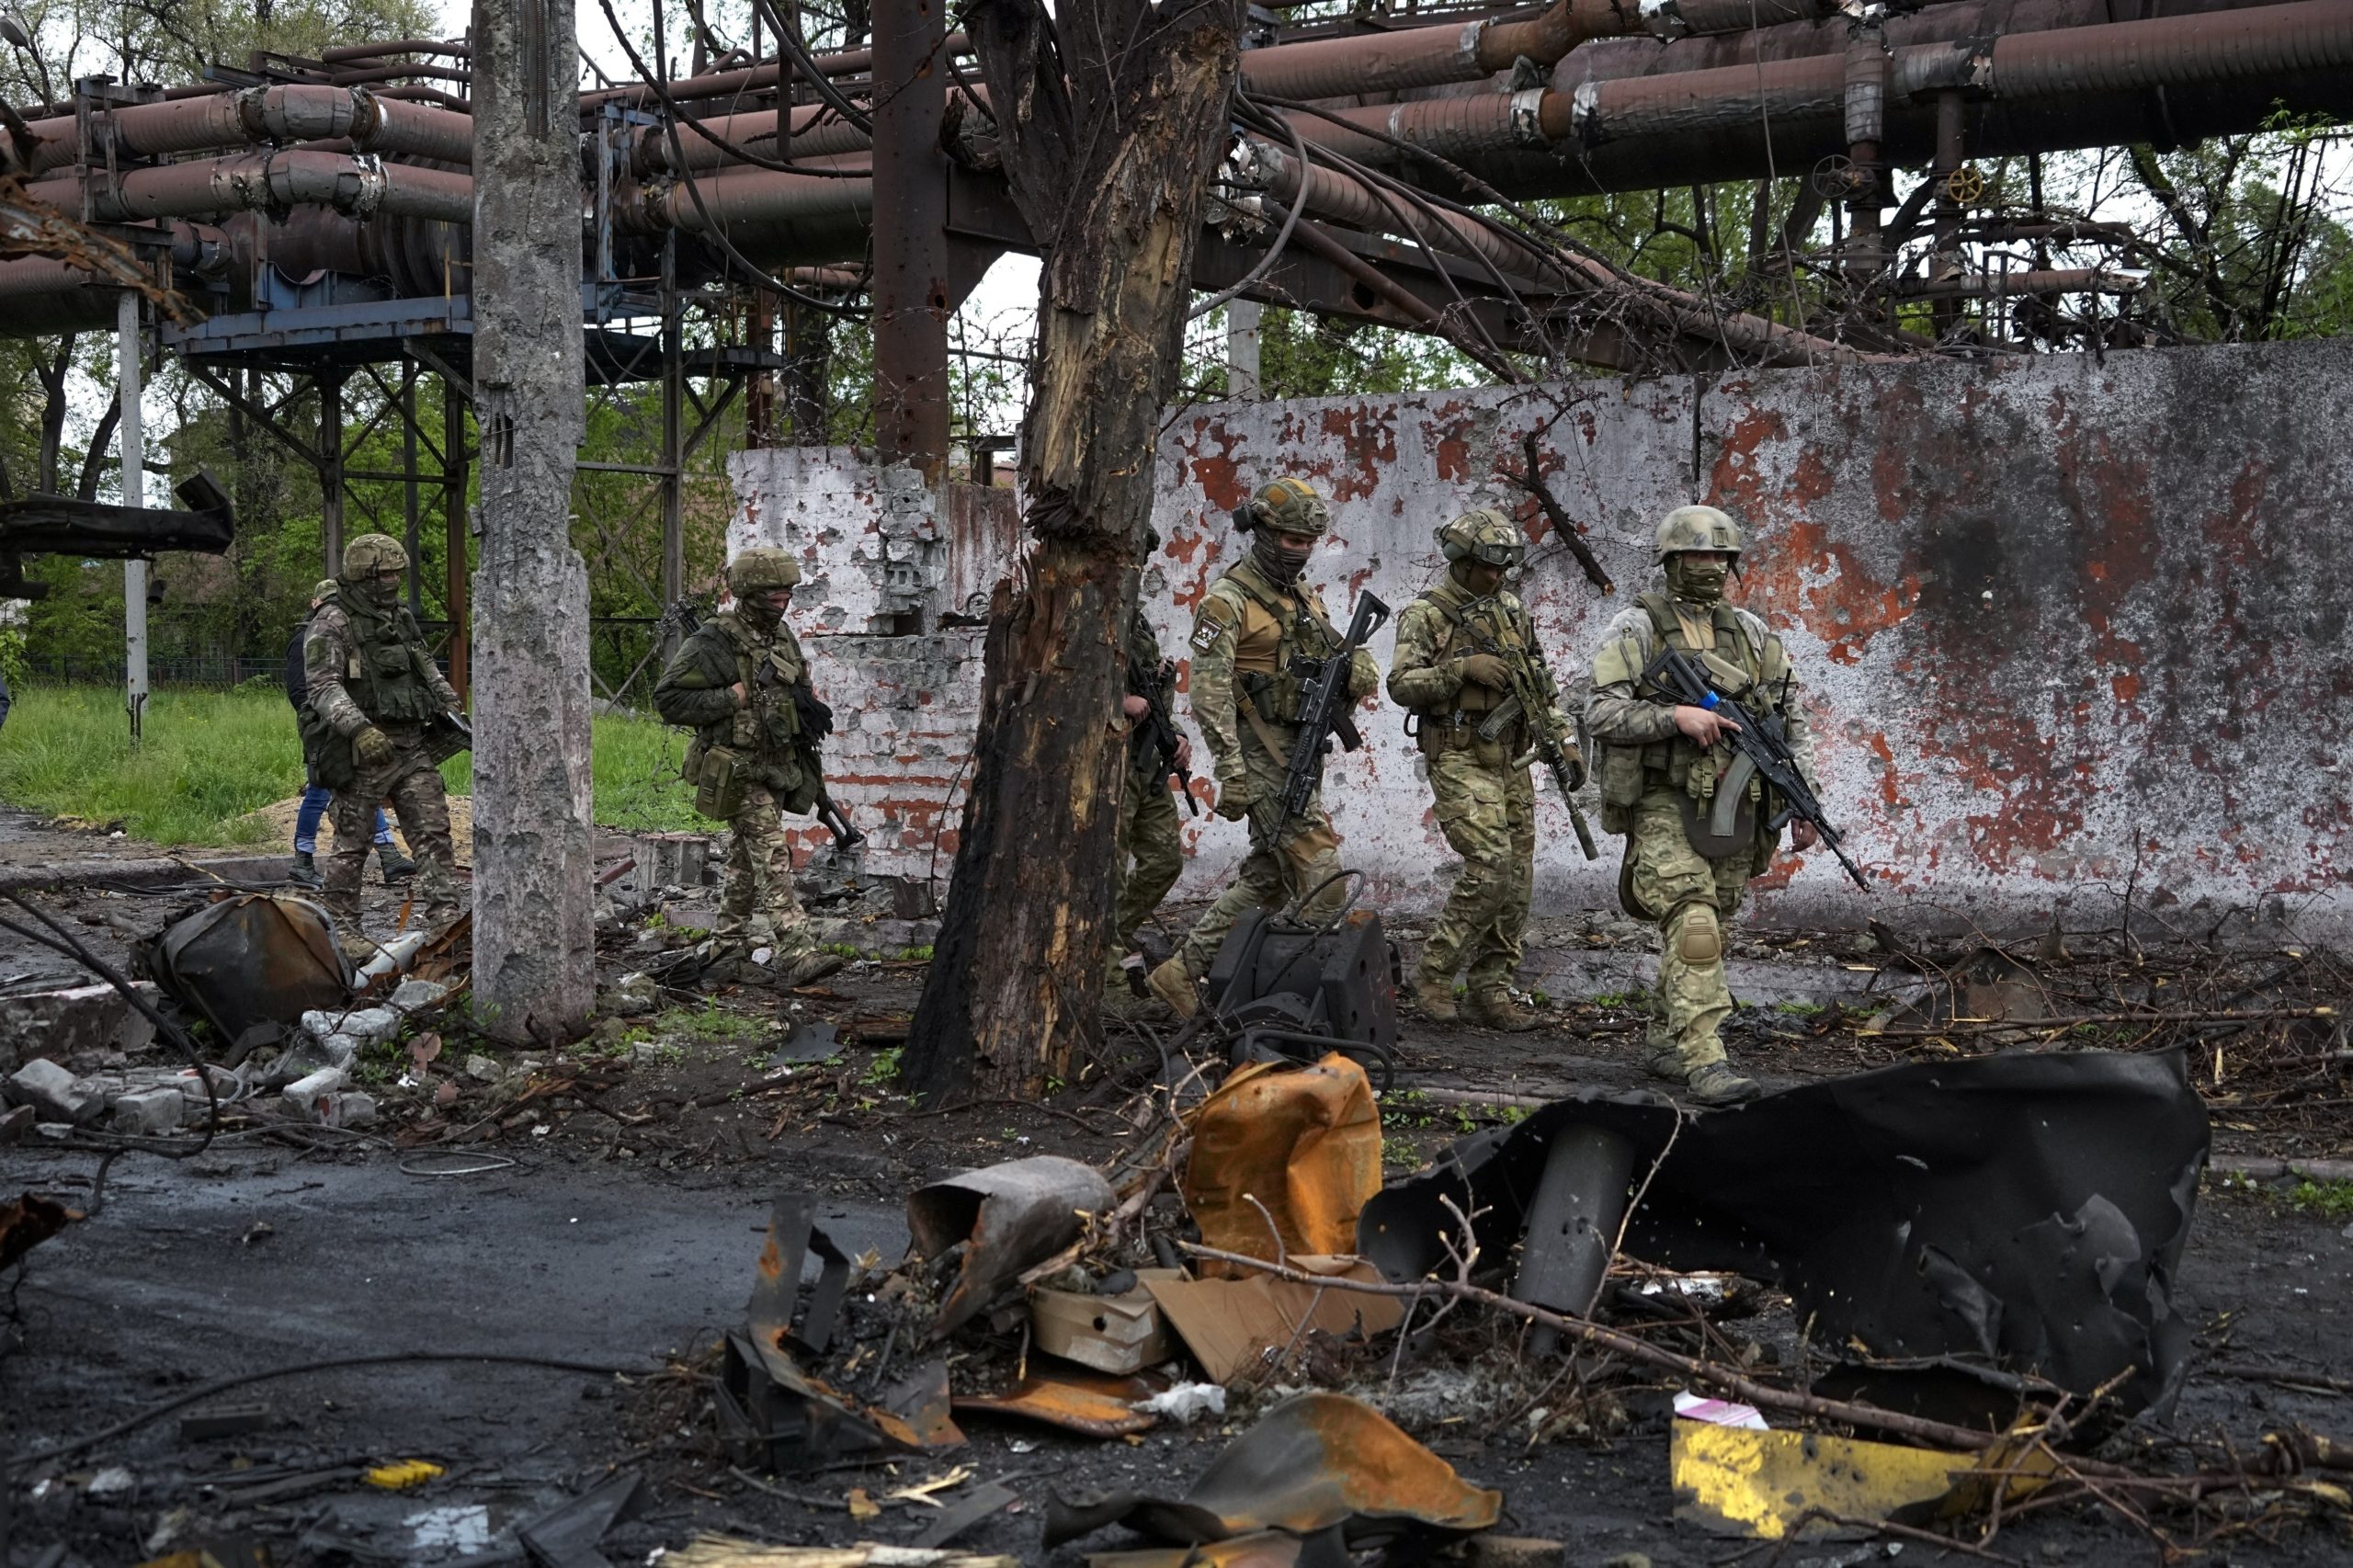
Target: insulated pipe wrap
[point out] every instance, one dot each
(2172, 51)
(1867, 77)
(1366, 63)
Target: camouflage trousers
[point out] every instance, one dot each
(1281, 865)
(1693, 899)
(412, 786)
(1148, 837)
(1487, 811)
(757, 905)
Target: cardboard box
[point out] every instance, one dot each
(1228, 1325)
(1111, 1334)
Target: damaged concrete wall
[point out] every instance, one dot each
(2068, 625)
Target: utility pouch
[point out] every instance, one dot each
(719, 784)
(691, 768)
(1724, 824)
(1621, 776)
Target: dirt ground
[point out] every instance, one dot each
(618, 1228)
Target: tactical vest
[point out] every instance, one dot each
(388, 675)
(1628, 771)
(389, 678)
(1454, 726)
(1265, 671)
(760, 738)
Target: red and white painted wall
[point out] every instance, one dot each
(2068, 626)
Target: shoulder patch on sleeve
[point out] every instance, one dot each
(1216, 616)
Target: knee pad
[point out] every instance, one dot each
(1699, 938)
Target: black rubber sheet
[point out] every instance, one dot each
(2021, 1212)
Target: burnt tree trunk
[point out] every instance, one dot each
(1111, 116)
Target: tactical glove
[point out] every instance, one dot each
(372, 747)
(1487, 670)
(1364, 676)
(1233, 799)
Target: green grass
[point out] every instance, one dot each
(211, 758)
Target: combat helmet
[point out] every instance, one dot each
(371, 553)
(1289, 505)
(761, 568)
(1695, 527)
(1485, 536)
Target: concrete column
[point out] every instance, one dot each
(133, 435)
(534, 977)
(1242, 382)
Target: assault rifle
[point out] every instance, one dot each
(1323, 710)
(1159, 734)
(1527, 699)
(1757, 736)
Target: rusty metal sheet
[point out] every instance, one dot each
(1300, 1144)
(1075, 1398)
(1007, 1217)
(255, 959)
(1313, 1462)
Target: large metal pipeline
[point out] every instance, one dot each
(817, 132)
(264, 114)
(1944, 22)
(2165, 51)
(1428, 57)
(354, 184)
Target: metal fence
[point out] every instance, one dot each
(212, 673)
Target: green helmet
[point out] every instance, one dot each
(1485, 536)
(323, 588)
(760, 568)
(1695, 527)
(371, 553)
(1289, 505)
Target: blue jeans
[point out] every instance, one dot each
(314, 806)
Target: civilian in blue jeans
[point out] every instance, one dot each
(316, 796)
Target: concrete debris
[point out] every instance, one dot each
(311, 1098)
(72, 1021)
(114, 1481)
(15, 1124)
(485, 1069)
(414, 995)
(633, 995)
(1186, 1403)
(150, 1113)
(305, 1055)
(57, 1094)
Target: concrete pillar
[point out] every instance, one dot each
(1242, 382)
(534, 976)
(132, 434)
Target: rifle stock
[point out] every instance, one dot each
(1323, 712)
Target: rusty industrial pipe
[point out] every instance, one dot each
(356, 185)
(1428, 57)
(751, 78)
(264, 114)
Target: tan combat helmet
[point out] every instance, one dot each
(371, 553)
(1695, 527)
(1289, 505)
(761, 568)
(1485, 536)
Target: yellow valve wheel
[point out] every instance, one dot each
(1965, 186)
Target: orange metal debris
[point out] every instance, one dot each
(1304, 1141)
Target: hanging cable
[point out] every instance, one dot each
(714, 231)
(1291, 220)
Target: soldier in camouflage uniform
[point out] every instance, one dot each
(1462, 650)
(373, 692)
(742, 684)
(1661, 768)
(1253, 624)
(1148, 821)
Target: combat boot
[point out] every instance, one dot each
(800, 968)
(396, 867)
(1495, 1007)
(1173, 985)
(1662, 1058)
(304, 872)
(1717, 1084)
(1434, 998)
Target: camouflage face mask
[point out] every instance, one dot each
(1699, 584)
